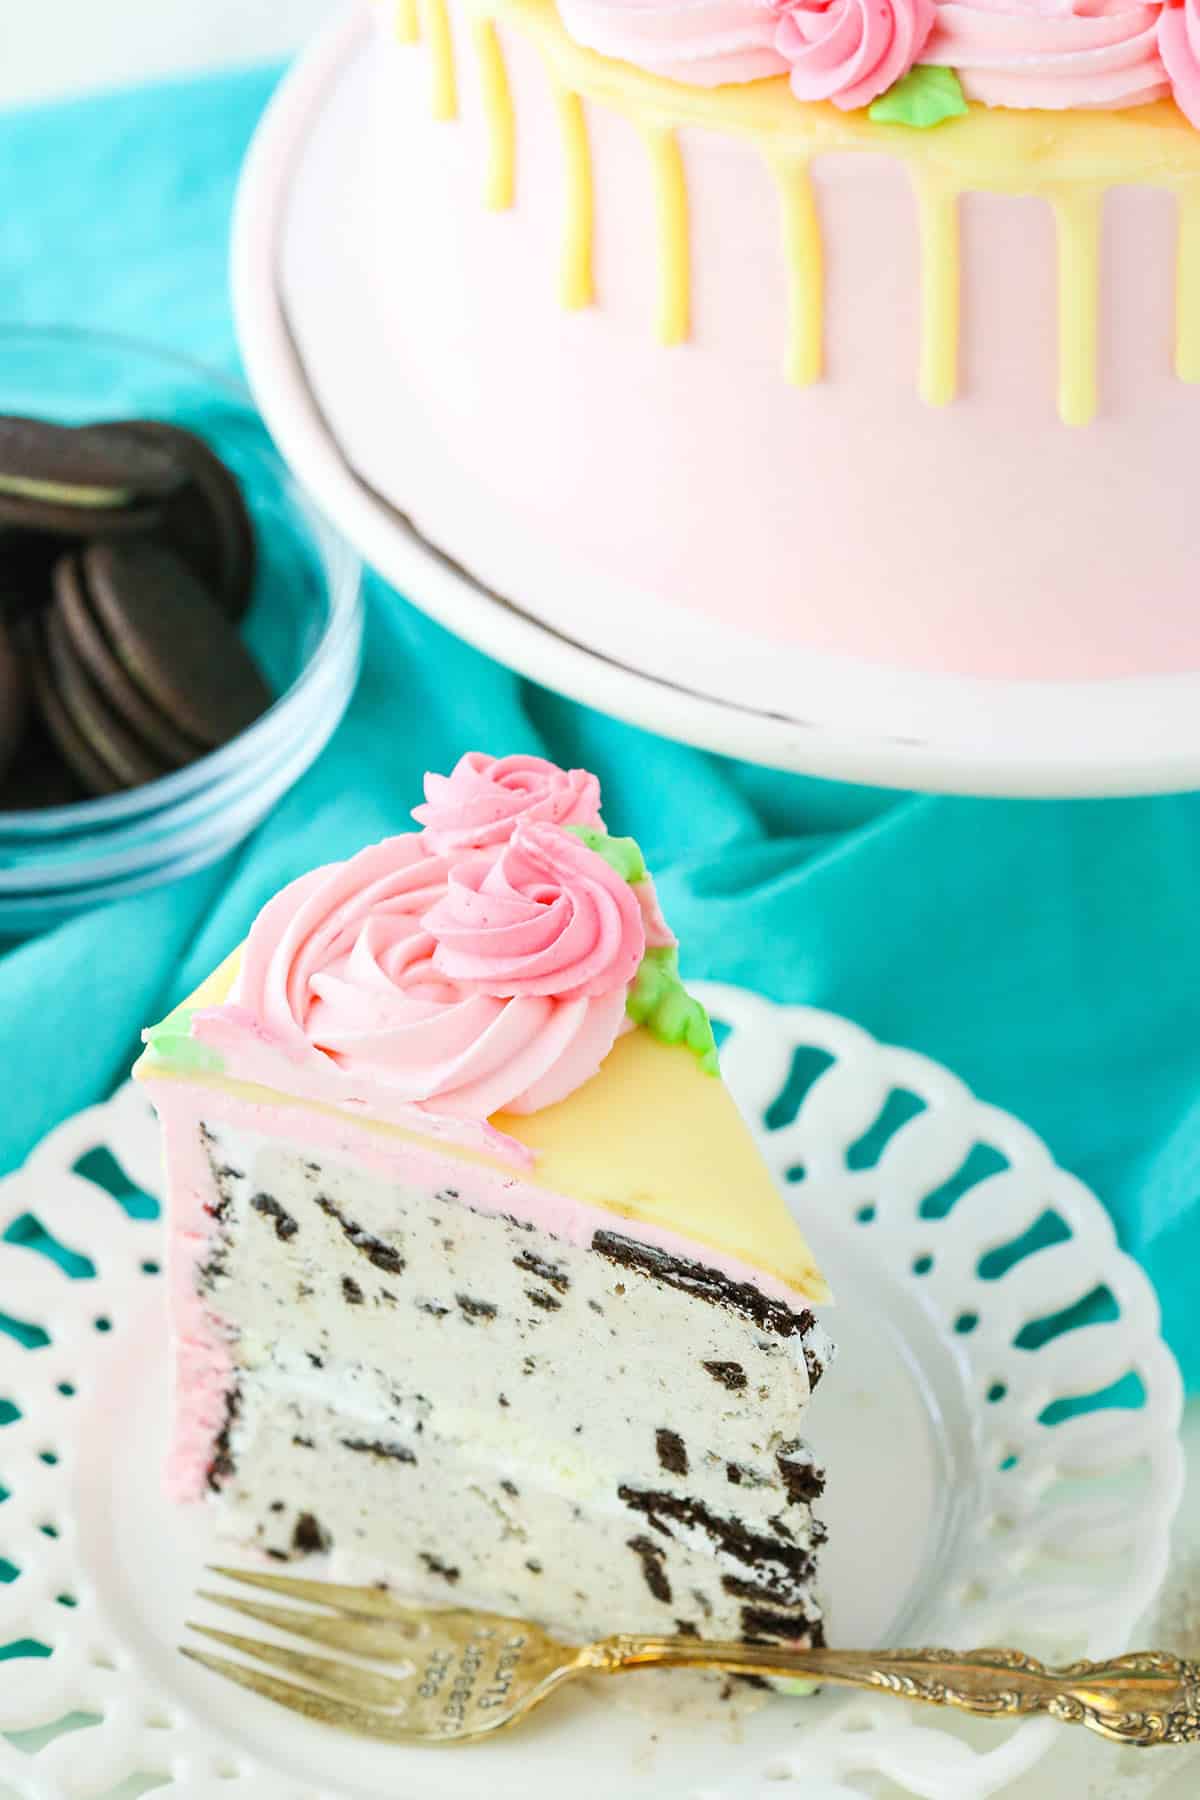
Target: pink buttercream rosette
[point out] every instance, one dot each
(479, 804)
(480, 966)
(1052, 55)
(850, 51)
(1179, 45)
(495, 982)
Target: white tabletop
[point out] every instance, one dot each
(56, 47)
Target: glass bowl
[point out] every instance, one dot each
(304, 626)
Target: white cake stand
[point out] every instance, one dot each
(305, 243)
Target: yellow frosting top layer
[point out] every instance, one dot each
(651, 1139)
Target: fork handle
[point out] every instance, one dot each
(1149, 1697)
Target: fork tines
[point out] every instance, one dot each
(364, 1622)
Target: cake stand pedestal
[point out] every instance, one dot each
(306, 243)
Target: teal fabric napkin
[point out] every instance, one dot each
(1048, 953)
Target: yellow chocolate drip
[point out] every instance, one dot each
(673, 321)
(500, 183)
(1078, 220)
(436, 18)
(1187, 287)
(576, 286)
(804, 262)
(408, 22)
(937, 208)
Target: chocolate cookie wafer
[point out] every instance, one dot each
(93, 650)
(206, 520)
(14, 699)
(82, 481)
(71, 743)
(172, 639)
(109, 738)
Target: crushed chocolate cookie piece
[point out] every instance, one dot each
(539, 1297)
(534, 1567)
(703, 1283)
(784, 1569)
(432, 1308)
(285, 1226)
(276, 1506)
(352, 1294)
(757, 1590)
(703, 1602)
(803, 1481)
(510, 1487)
(376, 1447)
(528, 1366)
(310, 1536)
(733, 1474)
(532, 1264)
(436, 1566)
(652, 1556)
(476, 1309)
(382, 1255)
(278, 1555)
(672, 1451)
(222, 1465)
(729, 1374)
(596, 1307)
(685, 1628)
(303, 1443)
(501, 1400)
(318, 1362)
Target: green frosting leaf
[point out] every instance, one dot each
(622, 854)
(171, 1042)
(659, 1001)
(923, 97)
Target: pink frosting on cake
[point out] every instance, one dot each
(1044, 54)
(201, 1363)
(850, 51)
(1179, 44)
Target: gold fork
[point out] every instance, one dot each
(457, 1676)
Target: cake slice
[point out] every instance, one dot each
(477, 1279)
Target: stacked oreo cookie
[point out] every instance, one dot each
(127, 559)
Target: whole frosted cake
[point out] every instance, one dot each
(477, 1278)
(866, 328)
